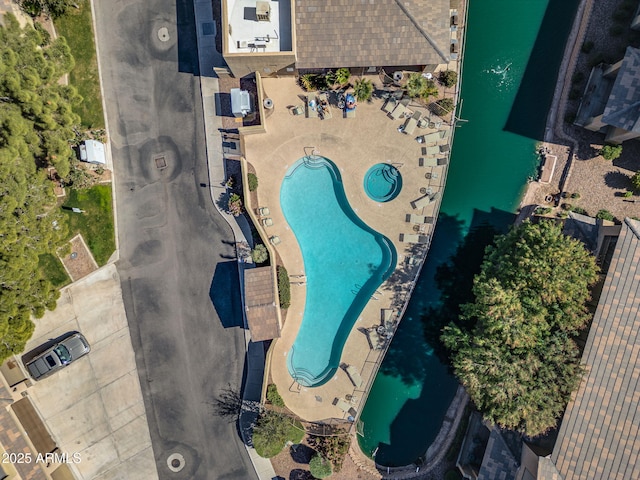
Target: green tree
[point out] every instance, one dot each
(55, 8)
(36, 125)
(363, 89)
(635, 181)
(272, 431)
(513, 348)
(611, 152)
(319, 467)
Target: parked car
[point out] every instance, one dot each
(69, 348)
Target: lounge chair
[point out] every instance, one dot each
(413, 238)
(400, 109)
(412, 218)
(432, 151)
(297, 110)
(387, 319)
(350, 113)
(354, 376)
(389, 105)
(275, 240)
(312, 106)
(428, 162)
(433, 137)
(267, 222)
(410, 125)
(424, 201)
(263, 211)
(342, 405)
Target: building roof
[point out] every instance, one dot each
(600, 432)
(344, 33)
(260, 304)
(501, 458)
(623, 106)
(33, 426)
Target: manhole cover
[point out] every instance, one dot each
(161, 162)
(163, 34)
(175, 462)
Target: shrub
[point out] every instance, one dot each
(570, 117)
(307, 82)
(273, 396)
(272, 431)
(543, 210)
(319, 467)
(444, 106)
(575, 195)
(333, 448)
(605, 215)
(284, 287)
(635, 181)
(611, 152)
(574, 94)
(566, 206)
(235, 205)
(579, 210)
(253, 182)
(587, 46)
(340, 77)
(620, 16)
(616, 30)
(260, 254)
(448, 78)
(597, 59)
(628, 194)
(363, 89)
(452, 475)
(577, 77)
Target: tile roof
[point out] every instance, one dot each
(623, 106)
(260, 304)
(600, 432)
(364, 33)
(499, 462)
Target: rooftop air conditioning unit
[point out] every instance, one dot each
(263, 11)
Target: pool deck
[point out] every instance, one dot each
(354, 145)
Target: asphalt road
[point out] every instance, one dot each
(179, 278)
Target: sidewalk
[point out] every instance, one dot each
(208, 58)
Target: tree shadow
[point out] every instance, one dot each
(617, 179)
(299, 474)
(301, 453)
(225, 294)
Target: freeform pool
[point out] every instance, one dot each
(382, 182)
(345, 262)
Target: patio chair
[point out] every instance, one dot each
(297, 110)
(263, 211)
(411, 124)
(275, 240)
(400, 109)
(389, 105)
(342, 405)
(425, 200)
(267, 222)
(354, 376)
(413, 238)
(412, 218)
(427, 162)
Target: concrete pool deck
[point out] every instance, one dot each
(354, 145)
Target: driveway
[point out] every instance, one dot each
(94, 407)
(177, 266)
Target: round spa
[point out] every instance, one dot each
(382, 182)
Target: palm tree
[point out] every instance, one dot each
(363, 89)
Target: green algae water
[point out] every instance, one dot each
(513, 51)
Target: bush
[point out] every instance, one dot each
(605, 215)
(253, 182)
(452, 475)
(579, 210)
(543, 210)
(273, 396)
(628, 194)
(284, 287)
(620, 16)
(575, 195)
(574, 94)
(587, 46)
(635, 181)
(570, 117)
(577, 77)
(611, 152)
(319, 467)
(260, 254)
(597, 59)
(567, 206)
(616, 30)
(339, 77)
(333, 448)
(444, 106)
(235, 205)
(363, 89)
(272, 431)
(419, 86)
(448, 78)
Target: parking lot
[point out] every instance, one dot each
(94, 406)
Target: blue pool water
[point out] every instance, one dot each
(345, 262)
(382, 182)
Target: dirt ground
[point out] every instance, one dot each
(79, 263)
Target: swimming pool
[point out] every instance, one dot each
(345, 262)
(382, 182)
